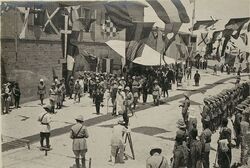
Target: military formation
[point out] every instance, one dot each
(230, 104)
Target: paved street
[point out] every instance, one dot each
(150, 125)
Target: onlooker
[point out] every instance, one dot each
(41, 90)
(16, 93)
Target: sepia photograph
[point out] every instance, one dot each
(125, 83)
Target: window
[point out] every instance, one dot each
(84, 13)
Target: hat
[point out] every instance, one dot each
(48, 108)
(127, 88)
(41, 80)
(155, 148)
(120, 87)
(133, 77)
(122, 77)
(155, 81)
(79, 118)
(71, 77)
(180, 124)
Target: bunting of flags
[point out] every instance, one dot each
(170, 11)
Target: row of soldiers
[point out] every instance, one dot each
(223, 105)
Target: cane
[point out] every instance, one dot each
(107, 105)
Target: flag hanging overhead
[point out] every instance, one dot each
(118, 14)
(24, 11)
(54, 20)
(170, 32)
(236, 23)
(136, 37)
(170, 10)
(204, 24)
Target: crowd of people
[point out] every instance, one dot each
(191, 151)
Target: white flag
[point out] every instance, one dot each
(25, 11)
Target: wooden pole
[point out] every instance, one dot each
(16, 29)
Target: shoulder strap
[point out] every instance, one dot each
(161, 162)
(78, 131)
(43, 117)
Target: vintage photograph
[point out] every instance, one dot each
(125, 84)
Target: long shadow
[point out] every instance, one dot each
(93, 121)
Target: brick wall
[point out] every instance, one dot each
(33, 61)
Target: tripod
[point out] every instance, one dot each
(129, 139)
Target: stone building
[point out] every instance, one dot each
(39, 55)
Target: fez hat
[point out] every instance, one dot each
(155, 149)
(79, 118)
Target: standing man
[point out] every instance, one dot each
(79, 134)
(71, 87)
(244, 125)
(17, 93)
(45, 120)
(224, 150)
(205, 138)
(135, 90)
(145, 89)
(185, 107)
(197, 78)
(98, 100)
(113, 93)
(129, 99)
(156, 160)
(77, 90)
(41, 90)
(119, 102)
(52, 96)
(156, 93)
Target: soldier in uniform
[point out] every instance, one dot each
(77, 90)
(45, 120)
(244, 127)
(113, 93)
(205, 116)
(52, 96)
(135, 90)
(129, 99)
(71, 87)
(156, 93)
(180, 158)
(224, 143)
(205, 138)
(156, 160)
(185, 107)
(236, 126)
(41, 90)
(182, 131)
(98, 100)
(79, 134)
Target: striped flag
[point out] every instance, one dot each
(136, 37)
(118, 14)
(170, 10)
(24, 11)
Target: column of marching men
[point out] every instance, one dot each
(230, 105)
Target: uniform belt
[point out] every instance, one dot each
(78, 137)
(45, 123)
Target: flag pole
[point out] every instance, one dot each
(192, 32)
(16, 48)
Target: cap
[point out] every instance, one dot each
(127, 88)
(79, 118)
(41, 80)
(120, 87)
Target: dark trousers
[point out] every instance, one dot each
(125, 118)
(41, 98)
(206, 159)
(144, 97)
(17, 101)
(97, 107)
(165, 91)
(44, 135)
